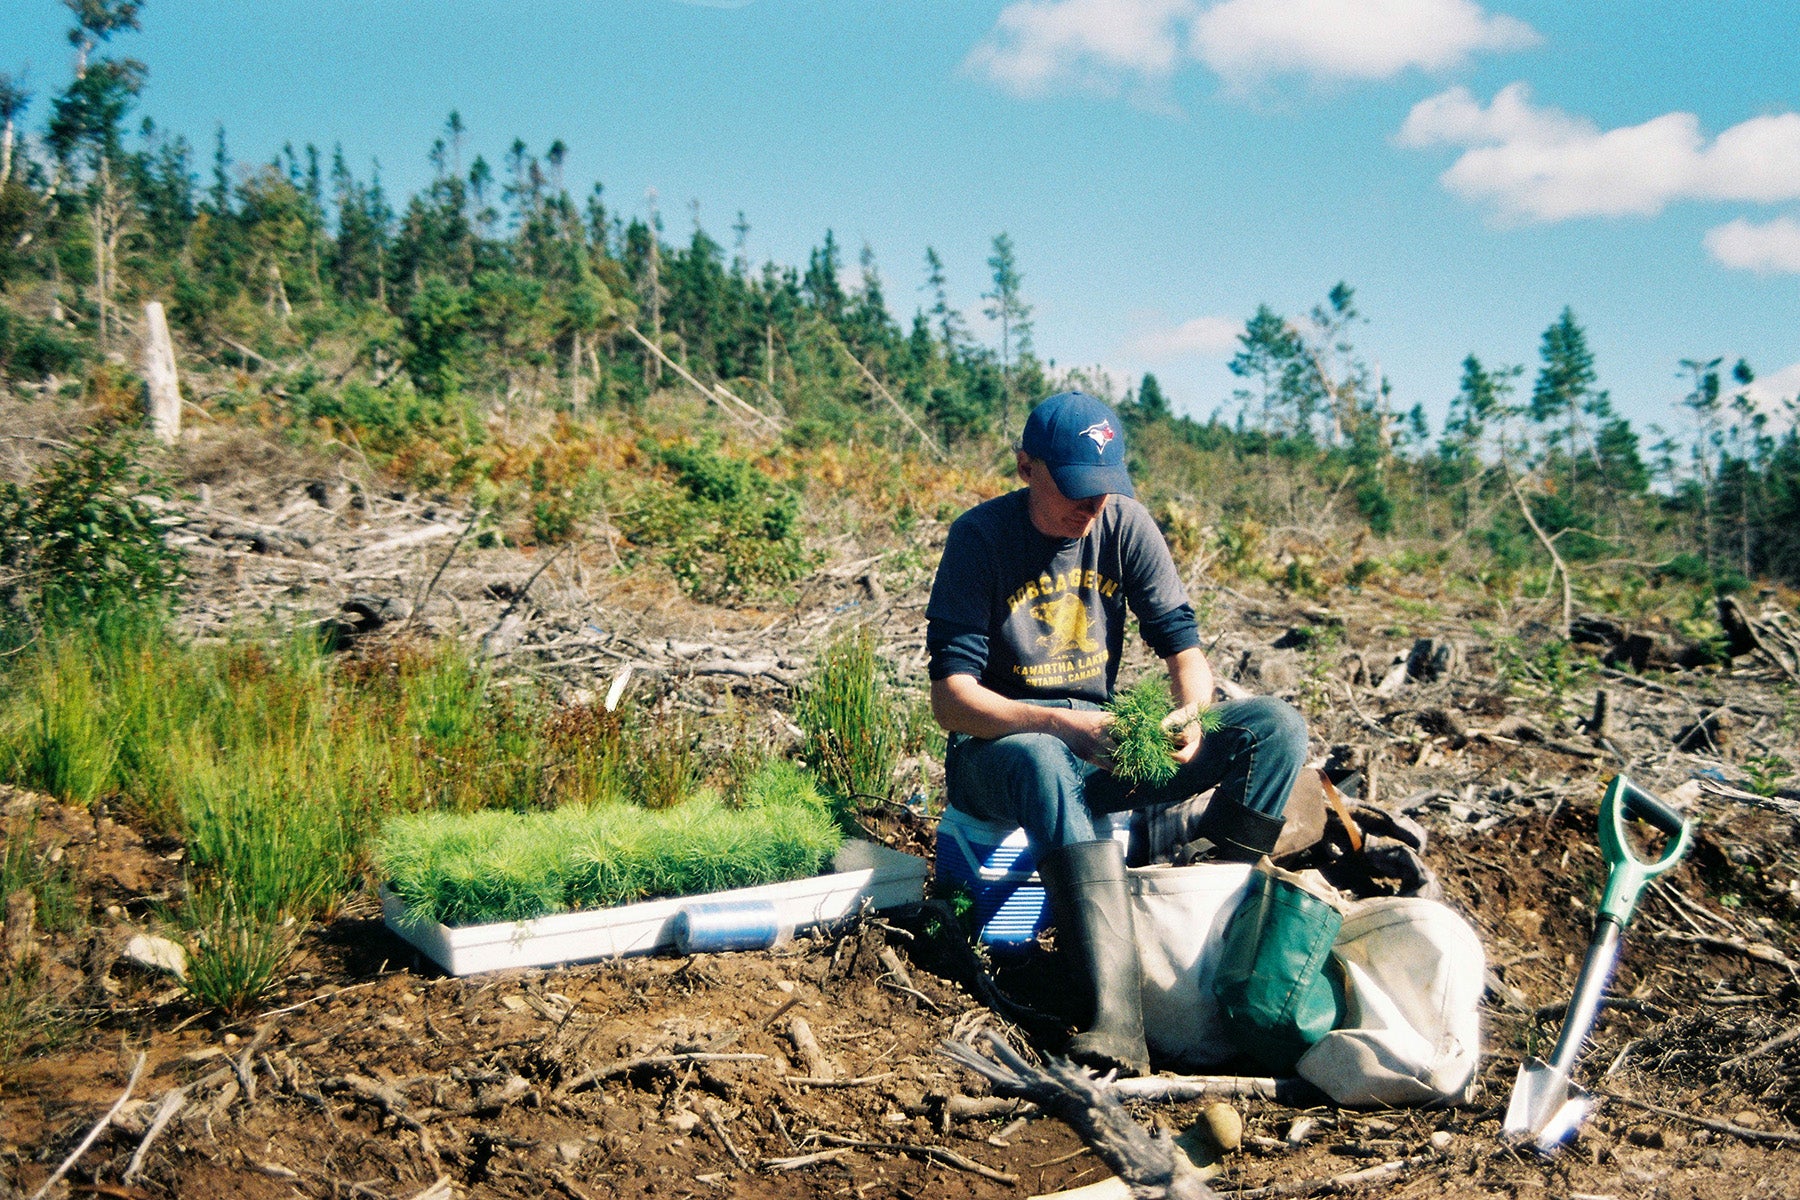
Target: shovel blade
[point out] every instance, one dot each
(1545, 1108)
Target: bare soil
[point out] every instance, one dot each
(370, 1073)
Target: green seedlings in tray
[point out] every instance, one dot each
(1143, 751)
(481, 867)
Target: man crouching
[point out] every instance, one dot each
(1026, 626)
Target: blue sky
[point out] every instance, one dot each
(1162, 166)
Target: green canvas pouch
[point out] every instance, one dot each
(1276, 987)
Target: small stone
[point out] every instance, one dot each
(682, 1121)
(1440, 1140)
(570, 1152)
(157, 954)
(1225, 1126)
(1749, 1118)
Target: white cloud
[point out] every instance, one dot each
(1769, 249)
(1037, 46)
(1205, 336)
(1543, 164)
(1349, 39)
(1040, 46)
(1773, 390)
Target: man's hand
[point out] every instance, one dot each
(1183, 726)
(1088, 734)
(1191, 683)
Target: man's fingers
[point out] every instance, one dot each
(1182, 717)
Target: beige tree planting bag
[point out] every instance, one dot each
(1411, 1027)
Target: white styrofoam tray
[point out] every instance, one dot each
(862, 870)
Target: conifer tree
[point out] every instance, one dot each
(1006, 304)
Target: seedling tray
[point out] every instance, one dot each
(861, 871)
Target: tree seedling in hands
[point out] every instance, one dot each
(1143, 731)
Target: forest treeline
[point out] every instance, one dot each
(400, 323)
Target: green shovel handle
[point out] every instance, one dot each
(1626, 874)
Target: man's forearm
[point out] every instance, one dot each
(1190, 677)
(962, 704)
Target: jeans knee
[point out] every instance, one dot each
(1283, 729)
(1037, 764)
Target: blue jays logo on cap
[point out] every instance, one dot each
(1082, 442)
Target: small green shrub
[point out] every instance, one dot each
(235, 950)
(51, 884)
(62, 742)
(851, 731)
(80, 540)
(725, 529)
(664, 764)
(33, 349)
(473, 868)
(1766, 772)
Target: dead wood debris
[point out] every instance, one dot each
(1150, 1165)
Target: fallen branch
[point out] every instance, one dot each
(1760, 951)
(805, 1160)
(717, 396)
(829, 1082)
(807, 1047)
(136, 1070)
(1774, 1137)
(1179, 1088)
(1562, 568)
(1774, 1043)
(716, 1123)
(172, 1101)
(648, 1060)
(1149, 1163)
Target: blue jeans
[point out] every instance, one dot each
(1034, 780)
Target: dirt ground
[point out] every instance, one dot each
(370, 1073)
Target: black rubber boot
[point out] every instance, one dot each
(1229, 832)
(1090, 900)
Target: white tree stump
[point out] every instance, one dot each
(162, 384)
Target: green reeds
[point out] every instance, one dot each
(846, 711)
(236, 950)
(474, 868)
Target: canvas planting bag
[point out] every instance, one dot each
(1411, 1030)
(1180, 914)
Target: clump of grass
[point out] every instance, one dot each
(24, 868)
(664, 765)
(1143, 751)
(473, 868)
(847, 714)
(236, 949)
(61, 742)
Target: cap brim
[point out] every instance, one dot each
(1082, 481)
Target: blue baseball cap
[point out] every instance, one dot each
(1082, 441)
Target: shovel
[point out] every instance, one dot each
(1546, 1107)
